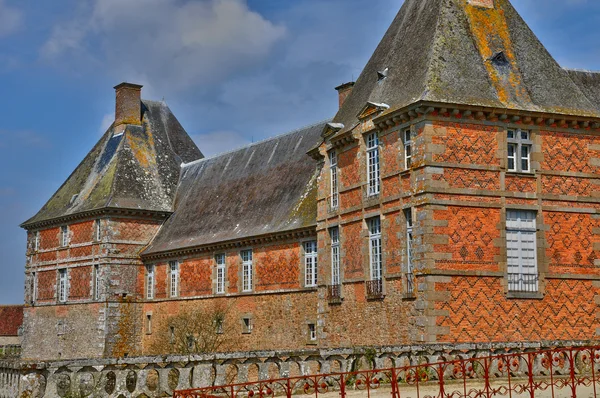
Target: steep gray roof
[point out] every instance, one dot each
(138, 169)
(264, 188)
(453, 52)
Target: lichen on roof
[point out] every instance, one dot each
(264, 188)
(136, 169)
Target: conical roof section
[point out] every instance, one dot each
(137, 168)
(473, 52)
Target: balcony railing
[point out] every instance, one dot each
(375, 289)
(523, 283)
(334, 294)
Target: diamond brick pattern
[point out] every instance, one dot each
(568, 152)
(520, 184)
(573, 186)
(469, 179)
(480, 312)
(570, 239)
(278, 268)
(467, 144)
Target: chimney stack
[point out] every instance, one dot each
(344, 91)
(128, 109)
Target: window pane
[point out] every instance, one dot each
(511, 134)
(524, 135)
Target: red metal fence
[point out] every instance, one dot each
(561, 372)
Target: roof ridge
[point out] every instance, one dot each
(256, 143)
(581, 70)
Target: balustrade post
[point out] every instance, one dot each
(572, 373)
(342, 386)
(395, 393)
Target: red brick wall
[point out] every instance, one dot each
(80, 283)
(46, 285)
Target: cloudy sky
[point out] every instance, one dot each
(232, 71)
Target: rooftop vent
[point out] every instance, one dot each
(499, 59)
(382, 74)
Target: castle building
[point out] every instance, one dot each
(453, 199)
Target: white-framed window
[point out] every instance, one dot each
(407, 149)
(373, 180)
(98, 230)
(310, 263)
(96, 277)
(64, 235)
(334, 234)
(246, 325)
(333, 170)
(220, 260)
(36, 241)
(149, 281)
(408, 215)
(521, 250)
(174, 278)
(247, 271)
(375, 255)
(33, 287)
(312, 332)
(63, 288)
(519, 150)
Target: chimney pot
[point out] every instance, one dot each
(128, 105)
(344, 91)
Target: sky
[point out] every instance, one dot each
(232, 71)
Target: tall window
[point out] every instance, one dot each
(409, 250)
(333, 169)
(334, 234)
(98, 230)
(310, 263)
(407, 149)
(96, 282)
(174, 278)
(247, 270)
(64, 235)
(33, 287)
(375, 248)
(373, 164)
(521, 252)
(36, 242)
(149, 281)
(220, 258)
(519, 150)
(62, 285)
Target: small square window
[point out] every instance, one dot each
(246, 325)
(312, 332)
(148, 323)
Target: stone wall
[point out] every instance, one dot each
(10, 377)
(159, 376)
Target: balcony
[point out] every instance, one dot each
(334, 294)
(375, 289)
(523, 283)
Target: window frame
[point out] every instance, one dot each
(98, 230)
(150, 281)
(408, 148)
(63, 285)
(518, 143)
(520, 224)
(247, 270)
(221, 269)
(36, 241)
(33, 287)
(334, 180)
(375, 249)
(409, 218)
(312, 332)
(174, 278)
(64, 236)
(310, 263)
(373, 164)
(334, 236)
(96, 286)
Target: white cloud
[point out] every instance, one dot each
(10, 19)
(107, 120)
(171, 44)
(217, 142)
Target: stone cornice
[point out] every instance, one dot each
(231, 244)
(92, 214)
(467, 113)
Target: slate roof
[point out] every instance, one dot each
(135, 170)
(11, 319)
(267, 187)
(449, 51)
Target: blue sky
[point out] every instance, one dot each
(232, 71)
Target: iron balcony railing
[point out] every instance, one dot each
(523, 283)
(334, 294)
(375, 289)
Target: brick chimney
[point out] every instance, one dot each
(128, 109)
(344, 91)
